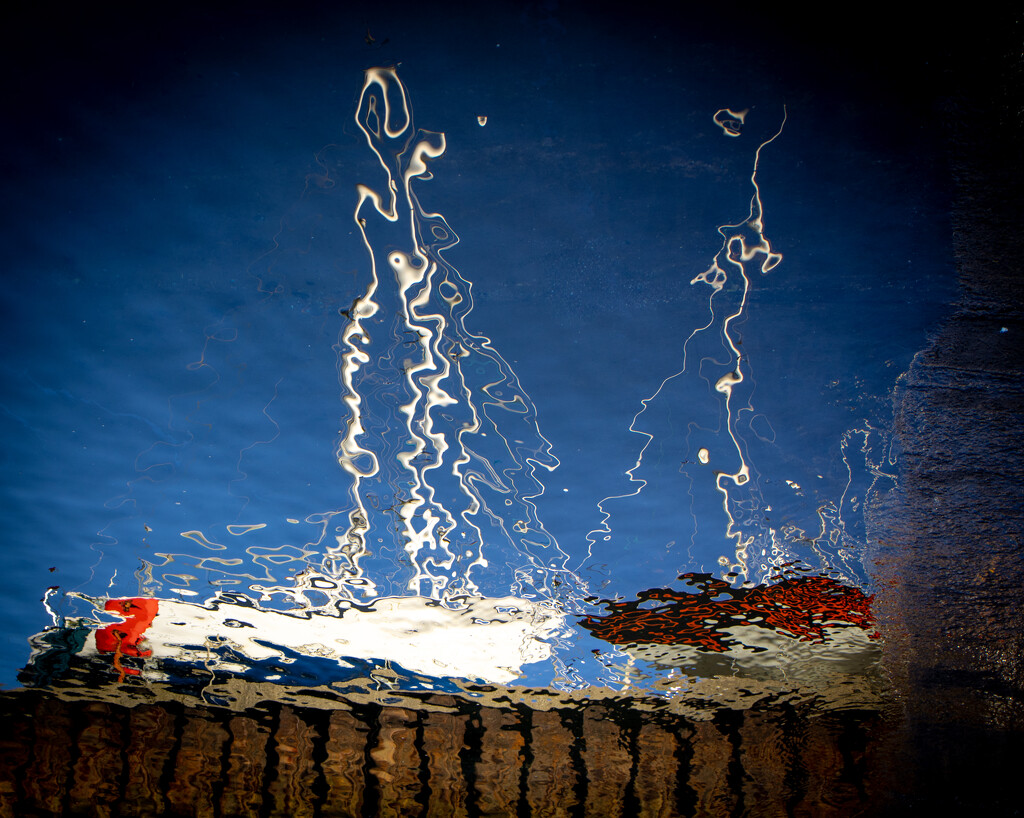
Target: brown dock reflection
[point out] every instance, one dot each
(447, 757)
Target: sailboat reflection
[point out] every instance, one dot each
(441, 571)
(442, 447)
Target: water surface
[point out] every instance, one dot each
(619, 315)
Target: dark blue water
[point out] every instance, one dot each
(182, 258)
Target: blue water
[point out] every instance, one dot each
(181, 245)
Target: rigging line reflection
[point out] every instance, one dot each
(457, 463)
(741, 243)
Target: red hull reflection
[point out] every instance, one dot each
(801, 607)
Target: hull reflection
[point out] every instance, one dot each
(487, 640)
(704, 647)
(803, 629)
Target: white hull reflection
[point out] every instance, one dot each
(488, 640)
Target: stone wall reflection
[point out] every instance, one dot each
(448, 758)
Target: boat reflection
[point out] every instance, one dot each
(800, 628)
(435, 568)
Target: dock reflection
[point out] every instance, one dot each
(435, 755)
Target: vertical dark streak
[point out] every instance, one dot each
(167, 773)
(75, 739)
(224, 720)
(29, 721)
(686, 796)
(730, 722)
(851, 741)
(573, 719)
(469, 756)
(631, 731)
(794, 734)
(124, 740)
(270, 773)
(321, 721)
(371, 788)
(423, 798)
(525, 729)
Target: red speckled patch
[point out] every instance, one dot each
(800, 607)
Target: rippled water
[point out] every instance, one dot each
(585, 387)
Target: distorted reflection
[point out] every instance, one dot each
(437, 570)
